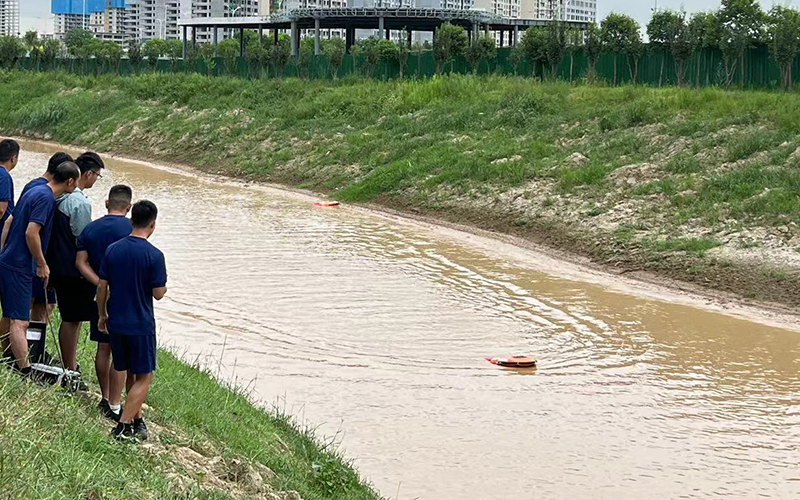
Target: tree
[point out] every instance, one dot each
(153, 50)
(474, 54)
(574, 44)
(658, 32)
(257, 59)
(88, 49)
(534, 47)
(556, 45)
(621, 36)
(489, 49)
(134, 55)
(51, 49)
(700, 32)
(11, 49)
(279, 55)
(783, 35)
(680, 45)
(208, 54)
(76, 39)
(174, 50)
(367, 50)
(34, 47)
(112, 54)
(403, 52)
(515, 58)
(593, 45)
(742, 23)
(228, 50)
(334, 49)
(450, 42)
(418, 48)
(389, 53)
(192, 54)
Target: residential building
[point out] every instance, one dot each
(9, 17)
(104, 18)
(146, 19)
(565, 10)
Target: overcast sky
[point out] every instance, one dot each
(35, 14)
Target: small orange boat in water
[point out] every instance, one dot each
(513, 361)
(326, 204)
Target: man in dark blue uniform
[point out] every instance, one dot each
(92, 245)
(40, 302)
(132, 274)
(22, 257)
(9, 156)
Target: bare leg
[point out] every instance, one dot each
(19, 342)
(5, 342)
(102, 362)
(38, 313)
(116, 381)
(136, 397)
(68, 338)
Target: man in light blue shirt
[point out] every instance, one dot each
(74, 294)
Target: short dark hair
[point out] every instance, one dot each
(9, 148)
(119, 197)
(143, 213)
(66, 171)
(56, 160)
(89, 161)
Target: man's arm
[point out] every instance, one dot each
(80, 216)
(158, 293)
(6, 228)
(82, 263)
(3, 208)
(35, 247)
(102, 303)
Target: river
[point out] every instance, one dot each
(376, 331)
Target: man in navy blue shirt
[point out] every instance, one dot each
(9, 156)
(22, 257)
(132, 274)
(92, 245)
(40, 302)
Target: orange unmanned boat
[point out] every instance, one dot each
(513, 361)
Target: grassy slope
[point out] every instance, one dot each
(206, 442)
(699, 185)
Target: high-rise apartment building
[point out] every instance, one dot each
(105, 18)
(564, 10)
(9, 17)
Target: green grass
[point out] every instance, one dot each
(55, 446)
(697, 246)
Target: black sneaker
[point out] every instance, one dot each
(123, 432)
(107, 412)
(139, 429)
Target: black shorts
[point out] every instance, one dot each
(75, 297)
(135, 354)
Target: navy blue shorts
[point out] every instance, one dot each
(38, 292)
(135, 354)
(95, 334)
(15, 294)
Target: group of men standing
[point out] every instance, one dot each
(102, 272)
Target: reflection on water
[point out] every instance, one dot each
(380, 330)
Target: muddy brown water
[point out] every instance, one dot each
(376, 331)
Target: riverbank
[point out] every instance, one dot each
(700, 187)
(206, 441)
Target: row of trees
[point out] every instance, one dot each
(732, 29)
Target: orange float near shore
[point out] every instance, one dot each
(513, 361)
(327, 204)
